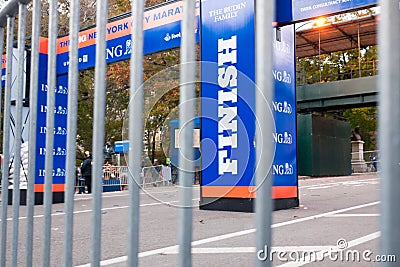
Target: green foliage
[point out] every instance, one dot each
(337, 66)
(345, 65)
(85, 112)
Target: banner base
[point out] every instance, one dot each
(243, 204)
(58, 197)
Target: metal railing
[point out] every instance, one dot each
(336, 72)
(132, 178)
(389, 97)
(117, 178)
(369, 161)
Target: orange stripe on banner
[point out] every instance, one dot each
(153, 18)
(56, 187)
(246, 191)
(43, 45)
(114, 30)
(43, 48)
(284, 192)
(228, 191)
(3, 61)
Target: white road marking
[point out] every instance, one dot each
(321, 187)
(223, 250)
(354, 215)
(368, 181)
(104, 209)
(145, 192)
(230, 235)
(324, 253)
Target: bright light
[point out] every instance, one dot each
(320, 21)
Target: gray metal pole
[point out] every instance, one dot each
(359, 50)
(389, 127)
(3, 223)
(52, 84)
(6, 138)
(34, 83)
(186, 116)
(73, 75)
(1, 53)
(319, 55)
(18, 132)
(135, 130)
(265, 126)
(98, 129)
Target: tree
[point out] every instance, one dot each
(366, 119)
(117, 88)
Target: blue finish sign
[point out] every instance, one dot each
(304, 9)
(228, 95)
(228, 104)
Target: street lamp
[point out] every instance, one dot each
(318, 23)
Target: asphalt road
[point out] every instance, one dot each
(335, 213)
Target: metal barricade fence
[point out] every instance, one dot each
(388, 82)
(156, 176)
(187, 92)
(365, 161)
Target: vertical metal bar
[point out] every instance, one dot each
(186, 116)
(319, 55)
(1, 93)
(98, 129)
(389, 127)
(1, 54)
(52, 84)
(72, 130)
(359, 49)
(135, 130)
(34, 83)
(3, 223)
(265, 148)
(6, 138)
(18, 133)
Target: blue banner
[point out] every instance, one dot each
(228, 103)
(119, 44)
(228, 95)
(284, 167)
(283, 11)
(60, 129)
(304, 9)
(155, 40)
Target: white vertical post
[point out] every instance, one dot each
(389, 127)
(265, 148)
(135, 130)
(6, 138)
(186, 117)
(18, 132)
(98, 129)
(33, 99)
(52, 84)
(73, 75)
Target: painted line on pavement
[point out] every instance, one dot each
(353, 215)
(223, 250)
(325, 253)
(230, 235)
(104, 209)
(349, 182)
(110, 195)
